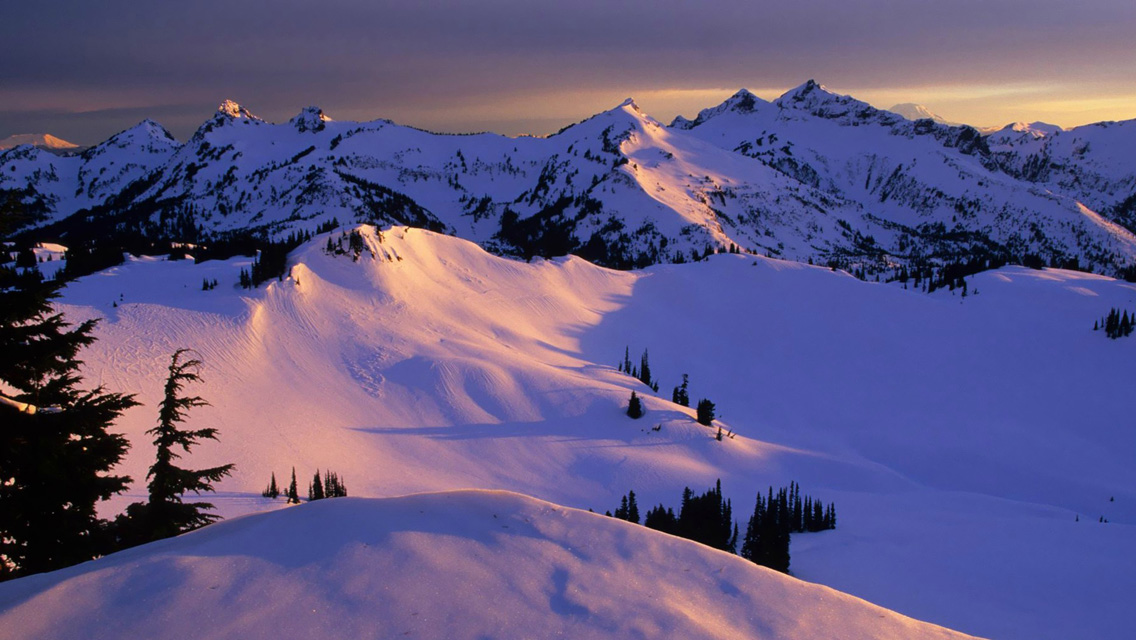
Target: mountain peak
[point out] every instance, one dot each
(913, 111)
(743, 101)
(40, 140)
(811, 91)
(310, 119)
(146, 131)
(628, 102)
(234, 110)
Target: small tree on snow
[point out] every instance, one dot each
(705, 411)
(293, 491)
(634, 406)
(272, 491)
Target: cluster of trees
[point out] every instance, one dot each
(705, 409)
(271, 260)
(705, 518)
(775, 517)
(329, 486)
(208, 285)
(1117, 324)
(355, 244)
(642, 372)
(708, 519)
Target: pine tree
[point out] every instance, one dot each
(293, 492)
(164, 514)
(680, 396)
(333, 486)
(634, 407)
(645, 370)
(632, 508)
(662, 519)
(705, 412)
(315, 489)
(272, 491)
(55, 449)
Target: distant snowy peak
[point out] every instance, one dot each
(310, 119)
(146, 135)
(40, 140)
(741, 102)
(913, 111)
(816, 100)
(1031, 129)
(234, 110)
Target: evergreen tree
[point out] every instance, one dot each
(706, 518)
(645, 370)
(165, 515)
(293, 492)
(272, 491)
(634, 407)
(315, 489)
(662, 519)
(705, 412)
(680, 396)
(333, 486)
(55, 449)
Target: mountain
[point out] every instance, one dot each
(812, 176)
(1095, 163)
(920, 188)
(39, 140)
(426, 566)
(913, 111)
(970, 443)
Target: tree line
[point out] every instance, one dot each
(330, 486)
(707, 518)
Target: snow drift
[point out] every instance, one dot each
(470, 564)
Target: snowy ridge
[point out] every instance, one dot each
(813, 175)
(468, 564)
(981, 427)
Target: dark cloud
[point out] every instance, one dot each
(386, 57)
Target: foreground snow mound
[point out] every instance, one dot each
(466, 564)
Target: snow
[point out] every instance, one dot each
(959, 437)
(468, 564)
(913, 111)
(43, 140)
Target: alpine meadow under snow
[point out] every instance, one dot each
(976, 439)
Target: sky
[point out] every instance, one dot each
(84, 70)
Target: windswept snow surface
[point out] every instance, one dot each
(960, 438)
(468, 564)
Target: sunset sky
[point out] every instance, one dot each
(84, 70)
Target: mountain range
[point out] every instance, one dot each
(812, 175)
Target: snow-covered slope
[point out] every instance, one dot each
(1095, 164)
(813, 176)
(961, 438)
(470, 564)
